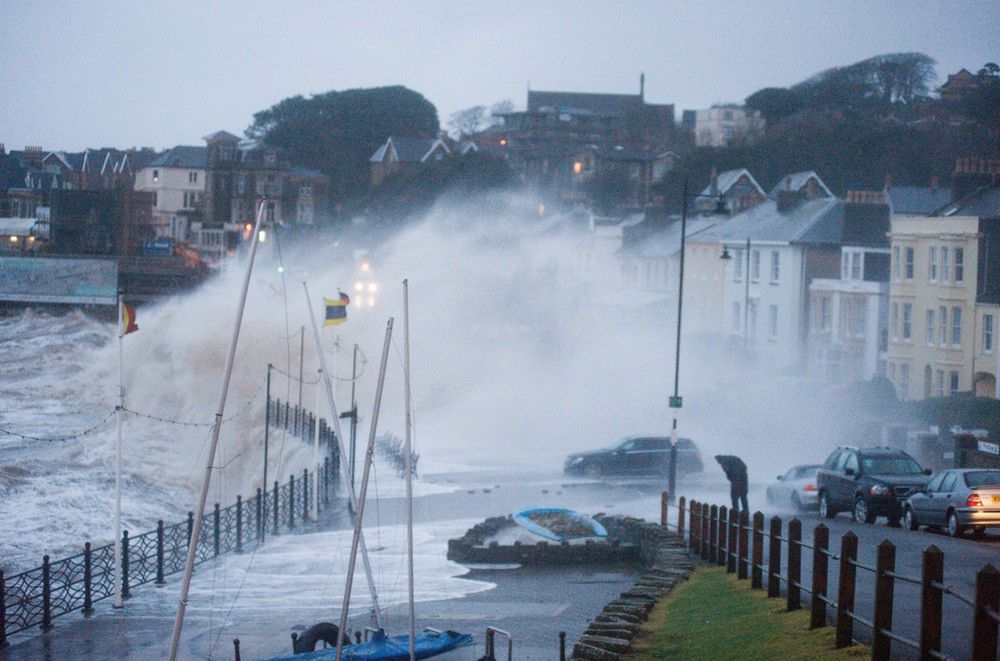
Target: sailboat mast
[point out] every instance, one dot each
(359, 518)
(409, 468)
(216, 428)
(345, 475)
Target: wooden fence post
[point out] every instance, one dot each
(722, 550)
(713, 532)
(931, 600)
(882, 611)
(664, 508)
(744, 551)
(732, 551)
(291, 502)
(984, 627)
(88, 581)
(821, 540)
(46, 594)
(126, 588)
(794, 564)
(680, 516)
(757, 561)
(159, 553)
(846, 588)
(703, 526)
(695, 533)
(774, 558)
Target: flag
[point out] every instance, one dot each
(128, 319)
(336, 310)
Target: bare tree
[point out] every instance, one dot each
(468, 122)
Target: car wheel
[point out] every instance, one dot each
(593, 470)
(825, 509)
(910, 519)
(861, 512)
(955, 529)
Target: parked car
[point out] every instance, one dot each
(868, 482)
(957, 500)
(636, 455)
(797, 488)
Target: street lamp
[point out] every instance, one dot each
(676, 401)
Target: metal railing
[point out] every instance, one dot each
(73, 584)
(737, 543)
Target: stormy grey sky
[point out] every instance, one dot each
(90, 74)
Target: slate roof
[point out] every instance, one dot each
(221, 136)
(984, 203)
(182, 156)
(409, 150)
(667, 241)
(917, 200)
(796, 181)
(814, 222)
(726, 180)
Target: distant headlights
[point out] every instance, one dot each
(879, 490)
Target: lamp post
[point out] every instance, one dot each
(676, 401)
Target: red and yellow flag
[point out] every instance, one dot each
(128, 319)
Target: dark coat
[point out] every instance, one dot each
(736, 472)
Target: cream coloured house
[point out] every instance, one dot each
(177, 180)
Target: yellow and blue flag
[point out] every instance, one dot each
(336, 310)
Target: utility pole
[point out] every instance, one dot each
(676, 402)
(302, 349)
(354, 412)
(267, 425)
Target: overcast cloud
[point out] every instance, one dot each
(92, 74)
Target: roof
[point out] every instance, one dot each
(221, 136)
(624, 154)
(409, 150)
(917, 200)
(816, 222)
(667, 241)
(601, 104)
(302, 172)
(726, 180)
(983, 203)
(182, 156)
(797, 181)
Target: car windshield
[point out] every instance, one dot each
(982, 479)
(890, 466)
(807, 471)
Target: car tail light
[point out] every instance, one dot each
(974, 500)
(809, 487)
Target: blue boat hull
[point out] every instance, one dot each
(524, 520)
(391, 648)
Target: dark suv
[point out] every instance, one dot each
(868, 482)
(636, 455)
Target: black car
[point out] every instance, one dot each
(868, 482)
(636, 455)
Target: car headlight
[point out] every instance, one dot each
(879, 490)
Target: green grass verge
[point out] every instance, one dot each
(713, 616)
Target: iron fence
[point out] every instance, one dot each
(735, 540)
(73, 584)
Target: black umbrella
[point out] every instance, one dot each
(731, 464)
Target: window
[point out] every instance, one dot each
(956, 326)
(944, 264)
(903, 388)
(775, 265)
(943, 325)
(948, 483)
(932, 264)
(935, 484)
(908, 265)
(952, 382)
(772, 328)
(752, 319)
(895, 262)
(755, 266)
(987, 333)
(856, 269)
(190, 199)
(856, 317)
(894, 321)
(738, 265)
(192, 177)
(959, 264)
(845, 265)
(736, 318)
(930, 328)
(907, 320)
(890, 370)
(940, 383)
(851, 463)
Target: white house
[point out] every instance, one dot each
(725, 124)
(177, 180)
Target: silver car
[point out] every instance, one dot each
(957, 500)
(797, 488)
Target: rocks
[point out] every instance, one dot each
(610, 635)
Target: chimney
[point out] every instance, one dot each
(642, 86)
(2, 150)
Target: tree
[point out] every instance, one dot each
(774, 103)
(983, 103)
(500, 108)
(468, 122)
(337, 132)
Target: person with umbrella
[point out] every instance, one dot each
(736, 473)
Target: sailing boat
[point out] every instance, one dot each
(429, 644)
